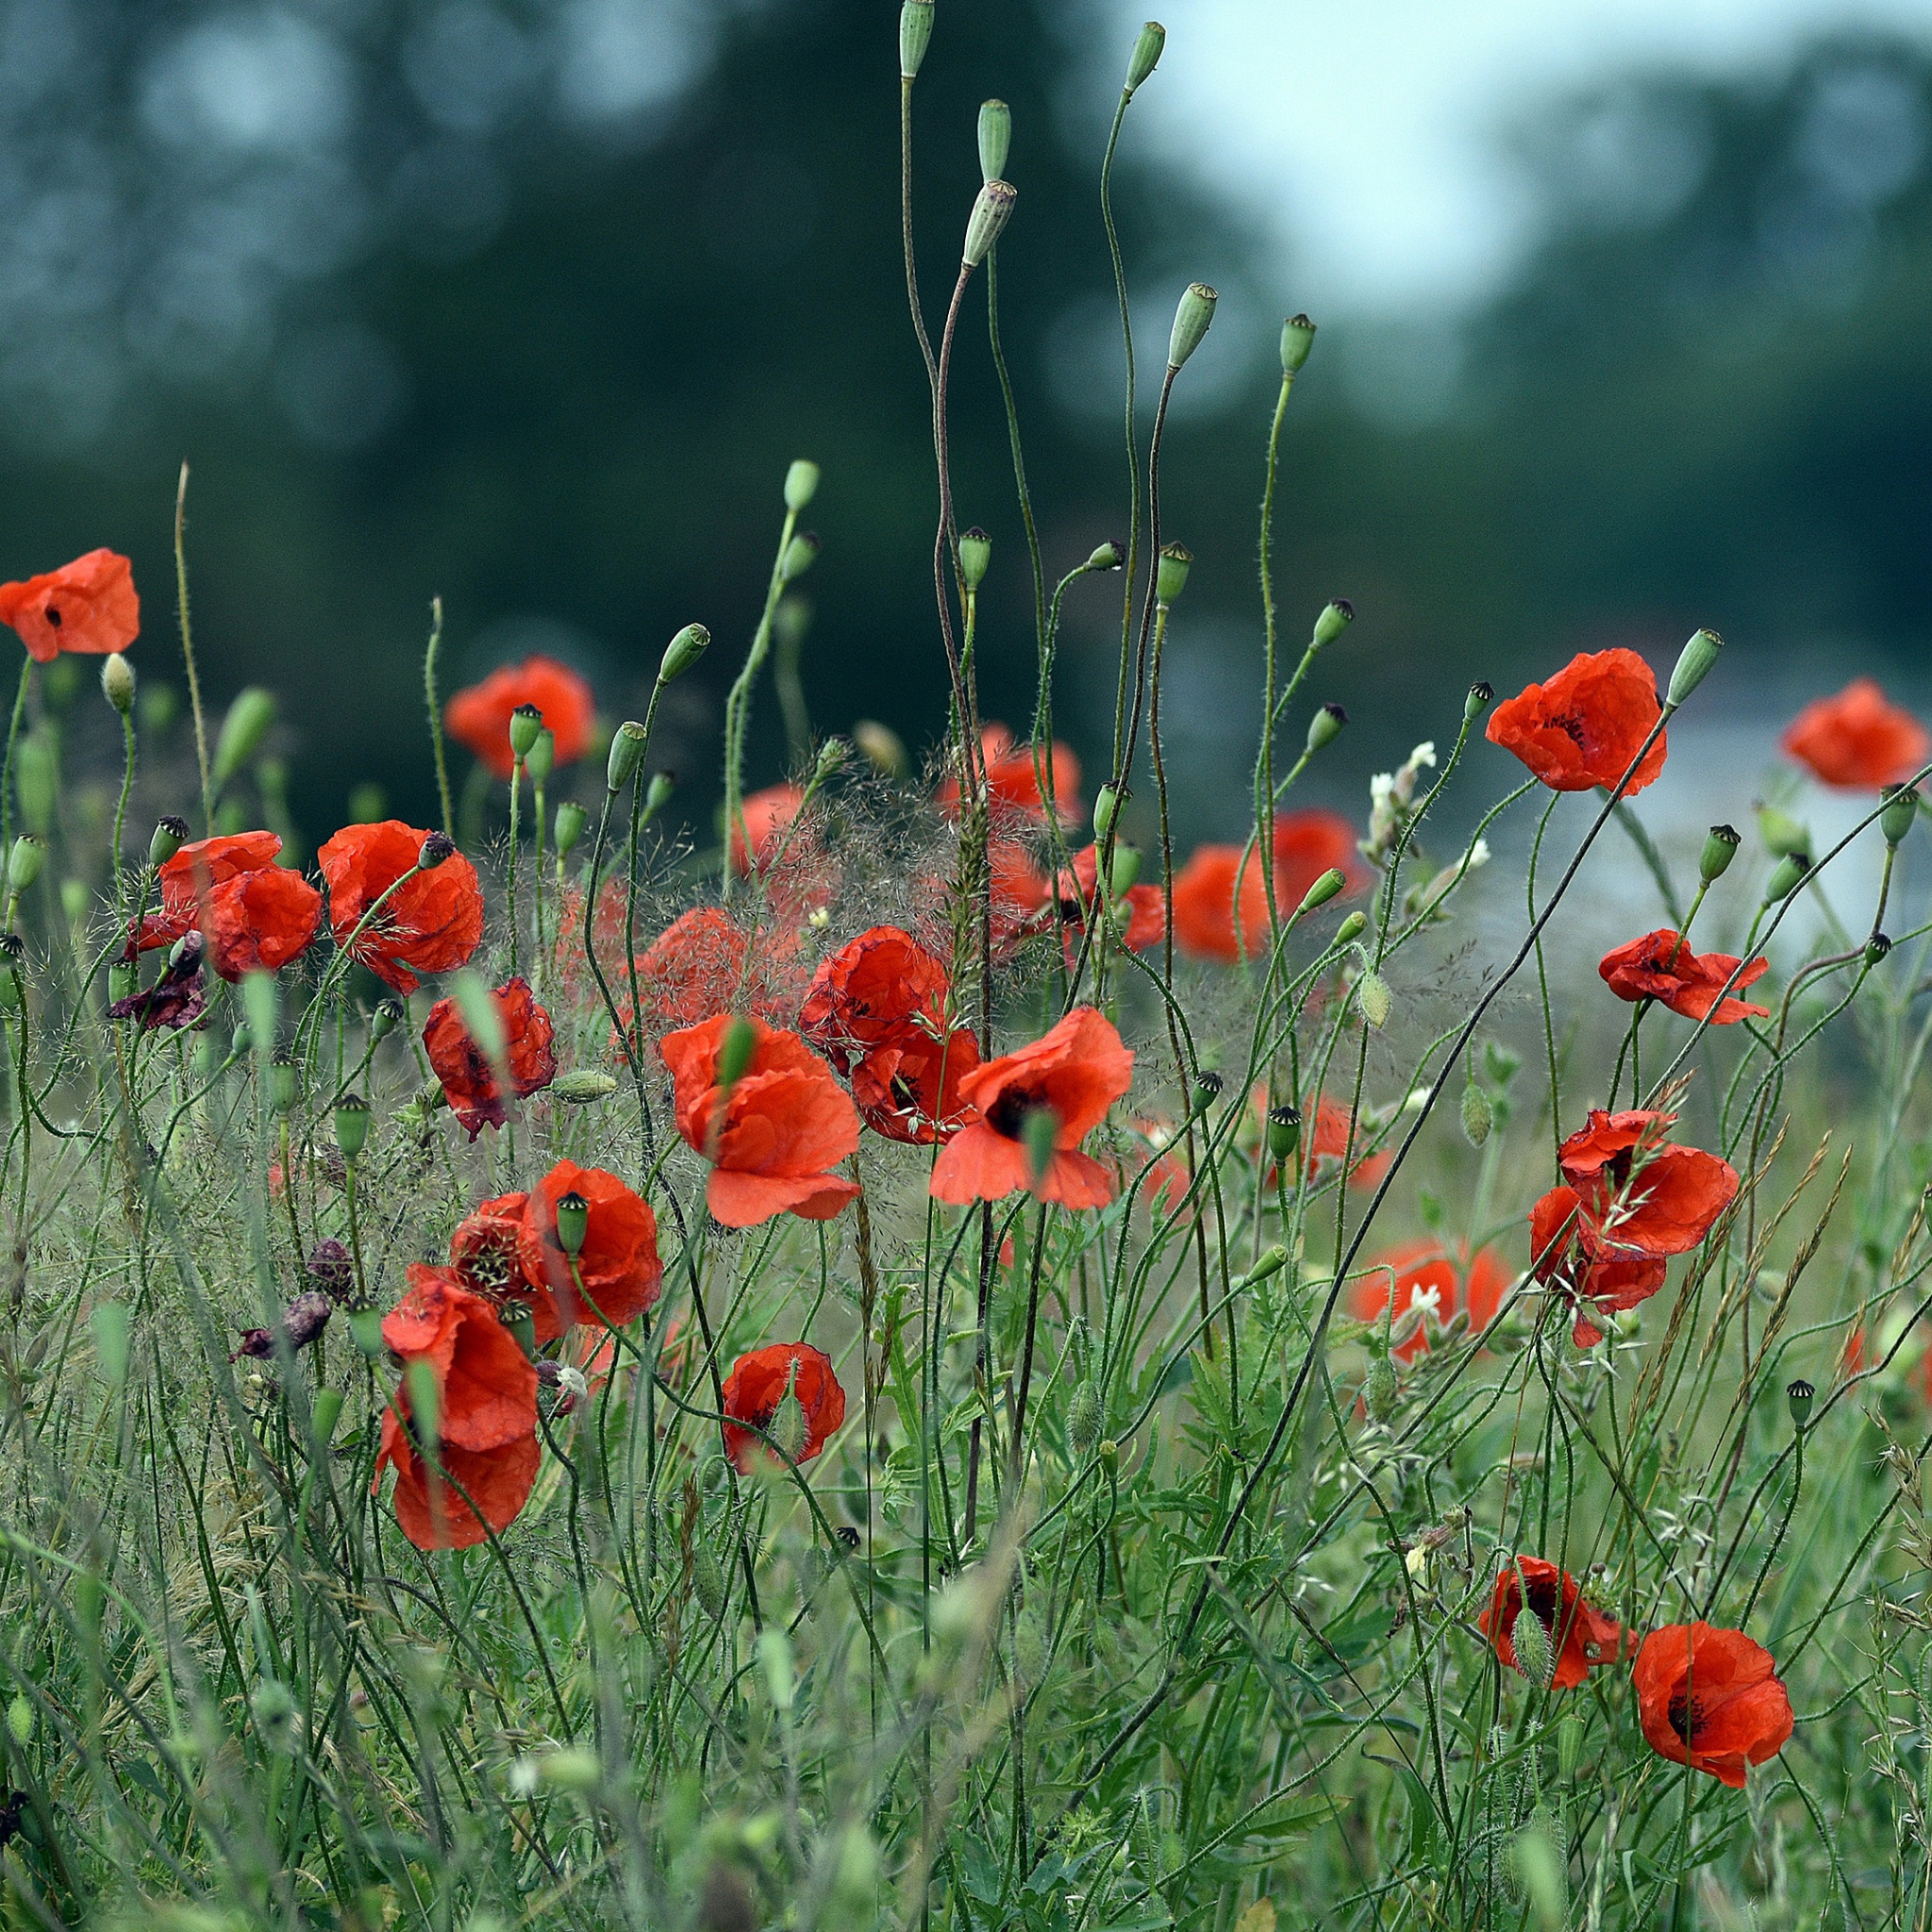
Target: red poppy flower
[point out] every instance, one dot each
(88, 605)
(1638, 1195)
(479, 717)
(1013, 779)
(1306, 844)
(1583, 726)
(775, 1136)
(693, 968)
(486, 1252)
(757, 1386)
(256, 914)
(485, 1415)
(1422, 1273)
(1077, 1070)
(432, 925)
(469, 1081)
(1581, 1637)
(764, 818)
(618, 1264)
(1857, 741)
(1078, 887)
(1710, 1698)
(1658, 967)
(1567, 1255)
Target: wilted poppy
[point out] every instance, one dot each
(485, 1423)
(257, 915)
(1306, 844)
(1422, 1275)
(759, 1383)
(1710, 1698)
(177, 998)
(1074, 1074)
(1857, 741)
(1142, 920)
(1567, 1255)
(1661, 967)
(618, 1264)
(1012, 777)
(88, 605)
(775, 1136)
(479, 717)
(1639, 1194)
(1580, 1635)
(430, 925)
(1583, 726)
(469, 1081)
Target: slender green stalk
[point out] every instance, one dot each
(208, 802)
(435, 704)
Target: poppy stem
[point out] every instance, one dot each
(208, 803)
(449, 817)
(738, 710)
(26, 671)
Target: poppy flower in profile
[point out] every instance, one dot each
(479, 717)
(618, 1264)
(1661, 967)
(1012, 777)
(1422, 1273)
(1306, 844)
(469, 1081)
(1857, 741)
(88, 605)
(257, 915)
(431, 924)
(1639, 1194)
(485, 1423)
(1075, 1072)
(758, 1386)
(1581, 1637)
(1583, 726)
(775, 1136)
(1710, 1698)
(1567, 1255)
(1142, 921)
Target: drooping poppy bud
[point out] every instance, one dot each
(525, 722)
(117, 682)
(1478, 1116)
(1720, 847)
(1379, 1387)
(1108, 555)
(1083, 1419)
(1297, 339)
(1534, 1657)
(1336, 615)
(992, 208)
(1192, 320)
(1373, 996)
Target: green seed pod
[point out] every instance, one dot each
(284, 1084)
(1039, 1131)
(573, 1222)
(1379, 1389)
(1786, 875)
(992, 208)
(1901, 809)
(799, 555)
(706, 1579)
(801, 483)
(1146, 54)
(915, 36)
(976, 553)
(1083, 1419)
(734, 1056)
(1531, 1642)
(1208, 1086)
(520, 1318)
(1799, 1396)
(1720, 847)
(1192, 319)
(1324, 727)
(1877, 948)
(525, 722)
(684, 650)
(1171, 573)
(1323, 890)
(1106, 805)
(246, 725)
(1373, 996)
(569, 827)
(170, 835)
(1284, 1131)
(1335, 618)
(1108, 555)
(1270, 1261)
(1125, 870)
(626, 751)
(117, 682)
(438, 848)
(384, 1020)
(1693, 666)
(543, 758)
(1478, 1116)
(24, 864)
(662, 784)
(1782, 833)
(883, 747)
(1351, 929)
(582, 1087)
(352, 1125)
(1482, 694)
(1297, 339)
(995, 137)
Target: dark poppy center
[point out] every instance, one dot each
(1543, 1600)
(1571, 728)
(1007, 1114)
(54, 616)
(1687, 1719)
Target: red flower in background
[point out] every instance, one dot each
(763, 820)
(1078, 887)
(469, 1081)
(1420, 1269)
(257, 915)
(1012, 779)
(485, 1423)
(1077, 1070)
(691, 970)
(1306, 844)
(1581, 1637)
(1583, 726)
(775, 1136)
(432, 925)
(1710, 1698)
(756, 1387)
(479, 717)
(1857, 741)
(88, 605)
(618, 1264)
(1640, 1196)
(1325, 1145)
(1659, 967)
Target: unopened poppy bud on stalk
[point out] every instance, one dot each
(626, 751)
(1531, 1644)
(569, 827)
(976, 553)
(1693, 666)
(1786, 875)
(117, 682)
(1351, 929)
(1284, 1131)
(788, 1425)
(1378, 1387)
(1798, 1399)
(437, 848)
(1083, 1419)
(1171, 573)
(243, 730)
(1108, 555)
(831, 757)
(1146, 54)
(1373, 996)
(525, 722)
(1323, 890)
(573, 1222)
(1192, 319)
(799, 555)
(995, 137)
(915, 36)
(992, 208)
(583, 1087)
(1901, 809)
(352, 1125)
(1324, 727)
(658, 793)
(543, 758)
(683, 651)
(1207, 1086)
(1297, 339)
(170, 835)
(1478, 1116)
(1038, 1132)
(1335, 618)
(882, 746)
(1720, 847)
(801, 483)
(1270, 1261)
(24, 863)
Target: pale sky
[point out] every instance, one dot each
(1363, 127)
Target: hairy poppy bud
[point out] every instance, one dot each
(1901, 809)
(1192, 320)
(626, 751)
(1720, 847)
(1147, 55)
(1106, 805)
(976, 553)
(1324, 727)
(1693, 666)
(1270, 1261)
(1038, 1133)
(992, 208)
(799, 555)
(1351, 928)
(1877, 949)
(1083, 1419)
(170, 835)
(1124, 871)
(352, 1125)
(1108, 555)
(1171, 572)
(242, 729)
(582, 1087)
(788, 1425)
(388, 1015)
(24, 863)
(707, 1578)
(740, 1040)
(284, 1083)
(1378, 1389)
(568, 828)
(658, 794)
(915, 36)
(1478, 1116)
(1798, 1399)
(543, 758)
(1371, 995)
(1284, 1131)
(995, 137)
(1482, 694)
(435, 850)
(1785, 877)
(117, 682)
(1336, 615)
(882, 746)
(1297, 339)
(801, 483)
(1207, 1086)
(1531, 1644)
(684, 650)
(573, 1222)
(1323, 890)
(1782, 833)
(525, 722)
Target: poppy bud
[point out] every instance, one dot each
(1207, 1086)
(1038, 1133)
(582, 1087)
(1171, 573)
(1351, 929)
(1901, 809)
(1109, 1454)
(1271, 1261)
(882, 746)
(1146, 54)
(352, 1125)
(799, 555)
(1335, 618)
(788, 1425)
(1324, 727)
(117, 682)
(170, 835)
(1477, 1114)
(734, 1055)
(915, 35)
(1877, 948)
(1323, 890)
(525, 722)
(1693, 666)
(384, 1020)
(801, 483)
(520, 1318)
(1482, 694)
(24, 864)
(1284, 1131)
(1124, 871)
(1106, 804)
(995, 137)
(706, 1579)
(1192, 320)
(123, 982)
(573, 1222)
(1799, 1396)
(1297, 339)
(1785, 877)
(1083, 1419)
(1720, 847)
(571, 817)
(658, 793)
(284, 1083)
(1378, 1389)
(1371, 995)
(976, 553)
(992, 208)
(1782, 833)
(626, 751)
(1531, 1644)
(243, 730)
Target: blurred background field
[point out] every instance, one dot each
(1623, 331)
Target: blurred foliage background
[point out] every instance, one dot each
(528, 306)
